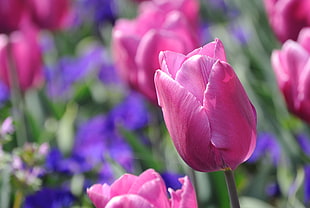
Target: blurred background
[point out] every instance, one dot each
(69, 120)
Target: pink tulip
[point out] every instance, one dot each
(51, 15)
(207, 112)
(144, 191)
(11, 12)
(160, 26)
(24, 55)
(291, 65)
(288, 17)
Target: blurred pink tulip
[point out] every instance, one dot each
(136, 44)
(288, 17)
(144, 191)
(11, 13)
(22, 51)
(207, 112)
(291, 65)
(51, 15)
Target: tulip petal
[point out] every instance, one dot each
(288, 64)
(194, 75)
(232, 116)
(147, 57)
(124, 46)
(155, 192)
(304, 94)
(185, 197)
(170, 62)
(304, 38)
(145, 177)
(213, 49)
(123, 185)
(99, 194)
(191, 132)
(129, 201)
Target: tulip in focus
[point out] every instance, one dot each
(161, 25)
(20, 53)
(144, 191)
(11, 13)
(291, 65)
(207, 112)
(288, 17)
(50, 15)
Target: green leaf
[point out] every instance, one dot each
(143, 153)
(249, 202)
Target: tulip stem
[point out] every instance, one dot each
(232, 190)
(16, 98)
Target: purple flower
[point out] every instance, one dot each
(4, 93)
(70, 70)
(240, 33)
(273, 189)
(172, 180)
(96, 140)
(307, 185)
(304, 143)
(266, 144)
(49, 198)
(97, 11)
(56, 162)
(131, 113)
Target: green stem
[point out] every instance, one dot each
(232, 190)
(16, 98)
(18, 199)
(192, 175)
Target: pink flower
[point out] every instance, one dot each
(7, 127)
(11, 12)
(147, 190)
(291, 65)
(25, 58)
(51, 15)
(161, 25)
(288, 17)
(207, 111)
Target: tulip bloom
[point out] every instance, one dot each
(207, 112)
(144, 191)
(291, 65)
(21, 51)
(11, 12)
(288, 17)
(161, 25)
(51, 15)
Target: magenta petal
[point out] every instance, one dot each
(303, 97)
(214, 50)
(281, 71)
(185, 197)
(147, 57)
(155, 192)
(146, 176)
(194, 74)
(304, 82)
(191, 132)
(304, 38)
(288, 65)
(232, 116)
(99, 195)
(124, 47)
(129, 201)
(123, 184)
(170, 62)
(295, 57)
